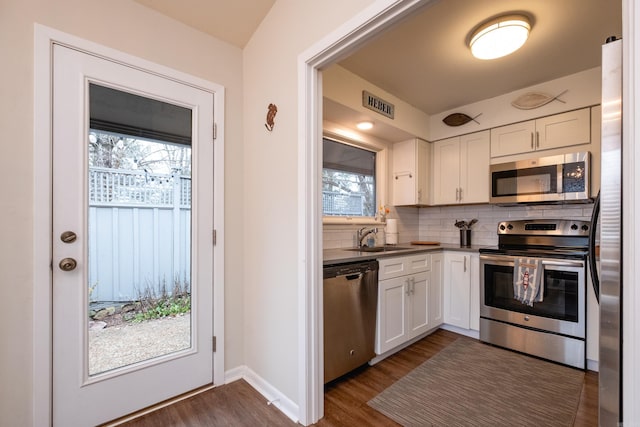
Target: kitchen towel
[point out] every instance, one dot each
(392, 225)
(526, 281)
(391, 238)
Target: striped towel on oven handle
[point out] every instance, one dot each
(526, 281)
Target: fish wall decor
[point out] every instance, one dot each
(531, 100)
(458, 119)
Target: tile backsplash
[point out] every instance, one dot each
(344, 236)
(437, 223)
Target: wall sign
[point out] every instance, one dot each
(376, 104)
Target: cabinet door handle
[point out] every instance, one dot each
(460, 194)
(413, 285)
(457, 194)
(465, 264)
(537, 139)
(532, 140)
(408, 283)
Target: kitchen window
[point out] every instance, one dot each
(349, 181)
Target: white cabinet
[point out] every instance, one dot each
(436, 317)
(457, 289)
(462, 289)
(410, 172)
(461, 169)
(474, 297)
(403, 300)
(559, 130)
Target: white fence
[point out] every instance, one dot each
(139, 233)
(342, 204)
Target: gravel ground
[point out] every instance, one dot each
(128, 343)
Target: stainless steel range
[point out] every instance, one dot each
(533, 288)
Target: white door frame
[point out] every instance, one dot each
(346, 39)
(44, 38)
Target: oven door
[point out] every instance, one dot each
(562, 310)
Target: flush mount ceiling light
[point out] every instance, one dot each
(500, 36)
(364, 125)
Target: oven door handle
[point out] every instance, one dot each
(564, 263)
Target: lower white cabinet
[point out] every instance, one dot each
(462, 289)
(474, 298)
(436, 316)
(403, 300)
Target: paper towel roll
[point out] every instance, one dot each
(391, 238)
(392, 225)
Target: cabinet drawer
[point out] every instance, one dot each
(401, 266)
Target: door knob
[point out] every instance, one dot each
(67, 264)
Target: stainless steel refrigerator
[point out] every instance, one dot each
(606, 239)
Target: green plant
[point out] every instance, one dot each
(156, 305)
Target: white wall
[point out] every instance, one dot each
(345, 87)
(132, 28)
(270, 191)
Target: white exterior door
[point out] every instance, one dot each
(85, 391)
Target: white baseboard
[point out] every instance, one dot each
(593, 365)
(235, 374)
(272, 395)
(467, 332)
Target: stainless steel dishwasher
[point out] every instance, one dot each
(350, 300)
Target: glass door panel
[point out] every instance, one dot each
(139, 226)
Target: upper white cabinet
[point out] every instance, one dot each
(461, 169)
(560, 130)
(410, 172)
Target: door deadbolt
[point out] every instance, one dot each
(68, 237)
(68, 264)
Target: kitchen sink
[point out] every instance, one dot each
(385, 248)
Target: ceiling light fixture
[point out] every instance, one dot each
(364, 125)
(500, 36)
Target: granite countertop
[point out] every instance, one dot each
(343, 255)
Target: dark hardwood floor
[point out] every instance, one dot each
(238, 404)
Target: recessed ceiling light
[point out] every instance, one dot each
(500, 36)
(364, 125)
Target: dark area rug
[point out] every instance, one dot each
(473, 384)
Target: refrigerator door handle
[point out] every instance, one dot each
(592, 247)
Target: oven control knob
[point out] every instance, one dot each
(502, 227)
(574, 227)
(584, 227)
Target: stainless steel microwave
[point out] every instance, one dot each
(553, 179)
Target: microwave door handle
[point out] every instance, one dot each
(559, 178)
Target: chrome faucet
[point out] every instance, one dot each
(363, 232)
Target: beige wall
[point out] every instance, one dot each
(126, 26)
(271, 182)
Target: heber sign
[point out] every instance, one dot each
(376, 104)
